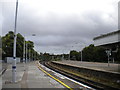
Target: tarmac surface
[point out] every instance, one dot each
(94, 65)
(28, 76)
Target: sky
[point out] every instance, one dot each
(60, 25)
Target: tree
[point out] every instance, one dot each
(7, 45)
(74, 55)
(117, 56)
(20, 44)
(96, 54)
(46, 57)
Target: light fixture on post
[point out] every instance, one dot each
(14, 47)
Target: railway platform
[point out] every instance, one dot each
(113, 67)
(28, 76)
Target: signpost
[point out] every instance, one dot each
(108, 54)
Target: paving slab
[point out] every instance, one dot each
(40, 80)
(7, 76)
(28, 76)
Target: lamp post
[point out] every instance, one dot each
(81, 55)
(81, 52)
(32, 56)
(36, 55)
(63, 58)
(14, 47)
(26, 52)
(29, 55)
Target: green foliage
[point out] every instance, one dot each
(46, 57)
(30, 44)
(92, 53)
(57, 59)
(20, 43)
(7, 45)
(118, 55)
(74, 55)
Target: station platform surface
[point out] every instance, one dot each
(28, 76)
(94, 65)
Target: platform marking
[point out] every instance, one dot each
(64, 77)
(53, 77)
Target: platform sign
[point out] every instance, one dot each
(108, 54)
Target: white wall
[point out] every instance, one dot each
(10, 60)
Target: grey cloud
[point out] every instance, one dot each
(54, 31)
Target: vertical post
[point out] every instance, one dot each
(113, 60)
(34, 55)
(108, 54)
(81, 55)
(14, 49)
(37, 55)
(63, 57)
(69, 56)
(14, 61)
(108, 60)
(52, 57)
(26, 52)
(29, 53)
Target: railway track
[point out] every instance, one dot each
(87, 82)
(64, 80)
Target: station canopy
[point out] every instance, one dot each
(109, 40)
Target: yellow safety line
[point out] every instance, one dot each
(53, 77)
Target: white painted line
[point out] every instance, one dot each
(59, 75)
(64, 77)
(1, 72)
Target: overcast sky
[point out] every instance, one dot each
(60, 25)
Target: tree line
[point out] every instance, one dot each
(90, 53)
(7, 46)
